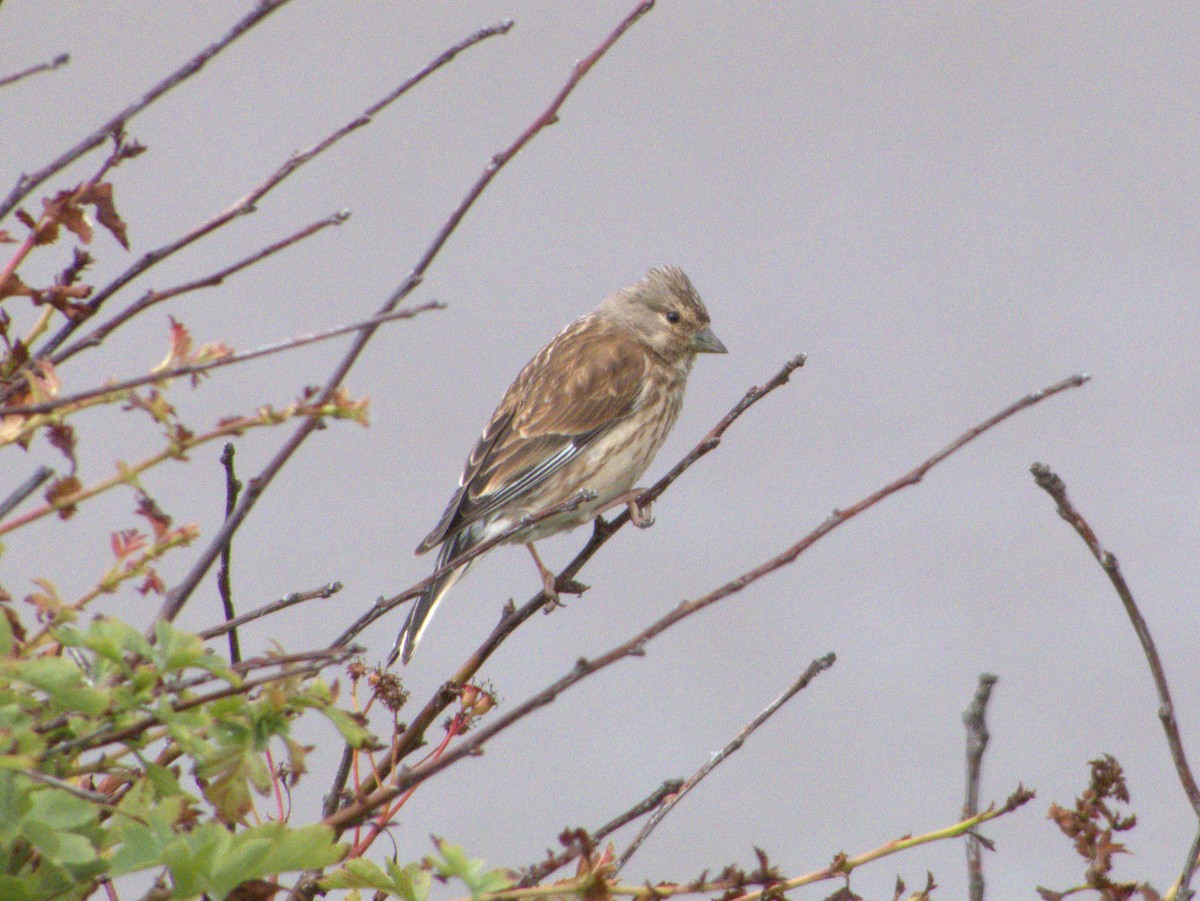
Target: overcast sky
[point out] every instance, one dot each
(945, 206)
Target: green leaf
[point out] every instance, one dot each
(112, 639)
(473, 873)
(165, 782)
(352, 731)
(6, 636)
(271, 849)
(177, 650)
(63, 683)
(357, 873)
(61, 810)
(410, 882)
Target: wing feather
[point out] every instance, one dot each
(580, 385)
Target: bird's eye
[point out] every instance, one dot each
(672, 316)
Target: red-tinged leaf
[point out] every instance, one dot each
(100, 196)
(180, 348)
(60, 297)
(14, 622)
(152, 583)
(160, 522)
(126, 542)
(62, 437)
(63, 210)
(14, 287)
(59, 491)
(25, 219)
(46, 602)
(6, 238)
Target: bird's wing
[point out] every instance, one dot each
(571, 393)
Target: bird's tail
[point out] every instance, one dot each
(422, 610)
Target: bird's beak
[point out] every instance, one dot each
(705, 342)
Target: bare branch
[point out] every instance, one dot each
(178, 596)
(26, 183)
(61, 60)
(1184, 891)
(1054, 486)
(26, 488)
(636, 646)
(150, 298)
(811, 672)
(163, 375)
(290, 600)
(977, 739)
(233, 487)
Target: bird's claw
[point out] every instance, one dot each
(640, 515)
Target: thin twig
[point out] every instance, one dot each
(196, 368)
(977, 740)
(26, 488)
(635, 646)
(1057, 489)
(1184, 891)
(179, 595)
(1054, 486)
(61, 60)
(811, 672)
(26, 183)
(232, 488)
(290, 600)
(535, 873)
(151, 298)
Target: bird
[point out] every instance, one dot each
(589, 411)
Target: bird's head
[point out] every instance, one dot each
(664, 311)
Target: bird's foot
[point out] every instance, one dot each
(639, 513)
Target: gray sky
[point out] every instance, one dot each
(945, 206)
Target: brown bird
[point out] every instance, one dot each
(590, 411)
